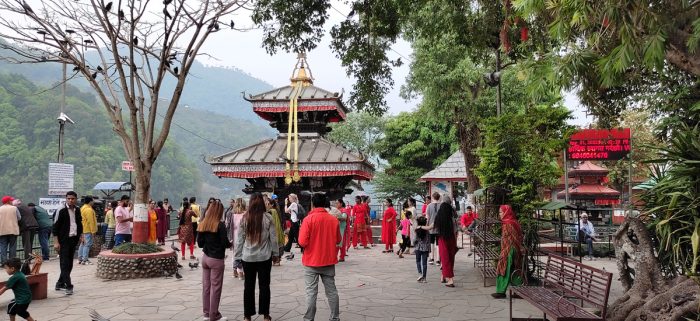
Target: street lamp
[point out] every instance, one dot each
(62, 117)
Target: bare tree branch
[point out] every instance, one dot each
(125, 50)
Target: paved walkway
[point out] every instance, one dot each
(372, 286)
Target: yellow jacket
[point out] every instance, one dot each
(89, 219)
(197, 210)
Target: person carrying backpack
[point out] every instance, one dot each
(296, 213)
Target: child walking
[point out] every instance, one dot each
(421, 248)
(20, 287)
(405, 232)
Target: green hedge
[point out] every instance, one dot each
(136, 248)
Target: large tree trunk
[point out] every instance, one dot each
(469, 137)
(142, 196)
(679, 55)
(648, 295)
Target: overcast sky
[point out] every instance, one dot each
(243, 50)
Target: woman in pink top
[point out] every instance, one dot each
(405, 233)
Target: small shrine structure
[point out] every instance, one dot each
(299, 159)
(442, 178)
(590, 190)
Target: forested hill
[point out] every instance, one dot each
(29, 141)
(211, 106)
(215, 89)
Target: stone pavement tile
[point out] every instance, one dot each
(372, 286)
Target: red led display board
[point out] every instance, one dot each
(599, 144)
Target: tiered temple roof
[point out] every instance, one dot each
(321, 165)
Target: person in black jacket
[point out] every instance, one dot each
(213, 240)
(27, 228)
(68, 232)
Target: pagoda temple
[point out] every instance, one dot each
(590, 190)
(300, 159)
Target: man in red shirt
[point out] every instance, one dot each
(319, 235)
(467, 219)
(359, 215)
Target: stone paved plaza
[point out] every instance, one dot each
(372, 286)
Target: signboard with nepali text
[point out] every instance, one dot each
(52, 204)
(599, 144)
(127, 166)
(61, 178)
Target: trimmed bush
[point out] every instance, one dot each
(136, 248)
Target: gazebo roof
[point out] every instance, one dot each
(590, 190)
(452, 169)
(588, 169)
(318, 157)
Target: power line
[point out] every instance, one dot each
(195, 134)
(390, 48)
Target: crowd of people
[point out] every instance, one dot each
(259, 232)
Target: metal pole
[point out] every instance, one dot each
(629, 197)
(566, 179)
(62, 123)
(498, 89)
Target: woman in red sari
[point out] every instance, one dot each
(162, 223)
(389, 227)
(511, 252)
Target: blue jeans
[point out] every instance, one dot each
(44, 235)
(422, 262)
(589, 241)
(121, 238)
(84, 250)
(8, 243)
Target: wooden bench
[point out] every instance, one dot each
(565, 280)
(37, 284)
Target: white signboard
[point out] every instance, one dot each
(61, 178)
(52, 204)
(140, 213)
(127, 166)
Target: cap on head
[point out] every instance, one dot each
(7, 199)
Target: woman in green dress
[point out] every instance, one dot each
(509, 265)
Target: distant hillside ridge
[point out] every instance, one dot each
(216, 89)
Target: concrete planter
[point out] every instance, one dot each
(114, 266)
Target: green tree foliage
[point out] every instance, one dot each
(618, 54)
(520, 153)
(673, 203)
(361, 132)
(615, 35)
(28, 142)
(413, 144)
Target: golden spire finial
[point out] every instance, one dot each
(299, 74)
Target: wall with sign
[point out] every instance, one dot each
(599, 144)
